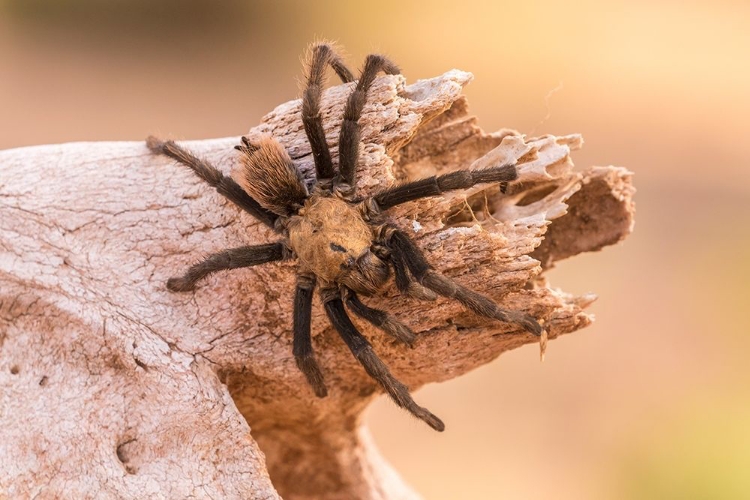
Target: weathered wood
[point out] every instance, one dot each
(113, 387)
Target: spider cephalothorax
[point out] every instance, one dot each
(342, 244)
(332, 240)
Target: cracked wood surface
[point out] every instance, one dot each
(113, 387)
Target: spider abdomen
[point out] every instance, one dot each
(331, 239)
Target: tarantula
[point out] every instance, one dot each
(343, 243)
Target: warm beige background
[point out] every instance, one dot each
(653, 401)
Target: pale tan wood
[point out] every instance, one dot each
(113, 387)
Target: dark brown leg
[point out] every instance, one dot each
(406, 283)
(223, 184)
(433, 186)
(303, 351)
(232, 258)
(320, 56)
(403, 246)
(349, 134)
(379, 318)
(362, 350)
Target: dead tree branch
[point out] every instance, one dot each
(113, 387)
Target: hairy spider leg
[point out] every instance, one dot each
(405, 282)
(319, 56)
(433, 186)
(378, 318)
(231, 258)
(302, 344)
(350, 129)
(404, 247)
(224, 185)
(362, 350)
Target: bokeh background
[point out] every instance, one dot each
(653, 400)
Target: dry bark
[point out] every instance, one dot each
(113, 387)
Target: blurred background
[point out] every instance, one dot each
(653, 400)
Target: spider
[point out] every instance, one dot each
(344, 244)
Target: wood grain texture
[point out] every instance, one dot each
(113, 387)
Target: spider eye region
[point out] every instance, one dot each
(331, 239)
(337, 248)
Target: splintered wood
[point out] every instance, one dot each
(111, 386)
